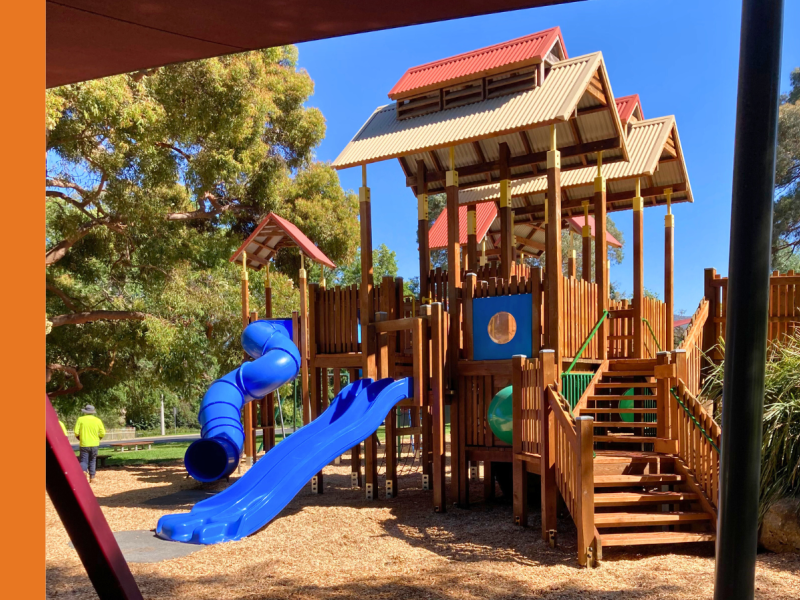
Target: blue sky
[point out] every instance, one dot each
(680, 56)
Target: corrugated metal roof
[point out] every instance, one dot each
(272, 234)
(383, 136)
(626, 105)
(485, 214)
(476, 62)
(645, 143)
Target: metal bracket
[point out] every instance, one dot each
(517, 520)
(370, 492)
(353, 479)
(426, 482)
(590, 558)
(315, 484)
(473, 473)
(551, 537)
(389, 489)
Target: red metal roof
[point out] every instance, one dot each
(626, 105)
(486, 213)
(682, 322)
(576, 224)
(477, 61)
(272, 234)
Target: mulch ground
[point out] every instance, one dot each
(337, 545)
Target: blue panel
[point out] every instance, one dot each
(483, 309)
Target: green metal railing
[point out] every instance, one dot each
(573, 385)
(652, 333)
(695, 421)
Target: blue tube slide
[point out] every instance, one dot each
(277, 361)
(270, 484)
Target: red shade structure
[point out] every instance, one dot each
(273, 234)
(486, 213)
(576, 224)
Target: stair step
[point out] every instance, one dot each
(636, 519)
(654, 537)
(638, 498)
(638, 424)
(629, 456)
(645, 373)
(631, 364)
(622, 397)
(629, 439)
(625, 384)
(636, 480)
(639, 411)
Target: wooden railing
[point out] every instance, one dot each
(784, 308)
(620, 339)
(334, 319)
(578, 317)
(572, 444)
(527, 406)
(693, 343)
(699, 438)
(437, 287)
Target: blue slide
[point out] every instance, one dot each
(271, 483)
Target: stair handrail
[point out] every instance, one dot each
(694, 419)
(652, 333)
(586, 341)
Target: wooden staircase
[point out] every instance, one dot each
(642, 492)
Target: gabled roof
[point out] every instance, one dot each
(485, 214)
(496, 120)
(576, 225)
(649, 142)
(272, 234)
(629, 106)
(530, 49)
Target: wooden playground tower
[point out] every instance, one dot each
(604, 407)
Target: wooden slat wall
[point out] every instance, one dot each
(565, 444)
(620, 339)
(784, 306)
(336, 320)
(475, 392)
(530, 412)
(693, 345)
(578, 317)
(655, 312)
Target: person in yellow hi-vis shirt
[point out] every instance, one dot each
(89, 430)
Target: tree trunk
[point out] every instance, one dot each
(97, 315)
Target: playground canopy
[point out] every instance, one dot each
(273, 234)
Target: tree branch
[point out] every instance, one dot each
(97, 315)
(207, 215)
(72, 372)
(64, 298)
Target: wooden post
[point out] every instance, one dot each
(428, 355)
(586, 248)
(638, 273)
(679, 358)
(553, 250)
(571, 266)
(422, 232)
(437, 408)
(537, 308)
(390, 447)
(317, 376)
(453, 268)
(472, 238)
(547, 461)
(519, 470)
(507, 240)
(711, 293)
(247, 421)
(663, 402)
(306, 338)
(585, 495)
(367, 328)
(669, 271)
(467, 296)
(356, 480)
(601, 275)
(482, 260)
(268, 403)
(252, 407)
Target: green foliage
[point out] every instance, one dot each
(780, 451)
(786, 219)
(384, 263)
(153, 180)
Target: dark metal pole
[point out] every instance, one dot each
(748, 297)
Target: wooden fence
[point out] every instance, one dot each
(620, 339)
(693, 345)
(784, 308)
(527, 407)
(334, 312)
(698, 451)
(620, 332)
(578, 317)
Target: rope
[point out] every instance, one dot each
(695, 421)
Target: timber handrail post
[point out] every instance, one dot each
(547, 460)
(587, 544)
(520, 479)
(437, 406)
(467, 296)
(664, 371)
(679, 358)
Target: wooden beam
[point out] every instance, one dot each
(522, 160)
(476, 145)
(530, 243)
(506, 226)
(436, 162)
(638, 277)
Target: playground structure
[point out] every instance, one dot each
(540, 369)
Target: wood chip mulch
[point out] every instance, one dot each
(337, 545)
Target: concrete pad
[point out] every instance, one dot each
(145, 547)
(182, 498)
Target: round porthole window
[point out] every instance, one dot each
(502, 328)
